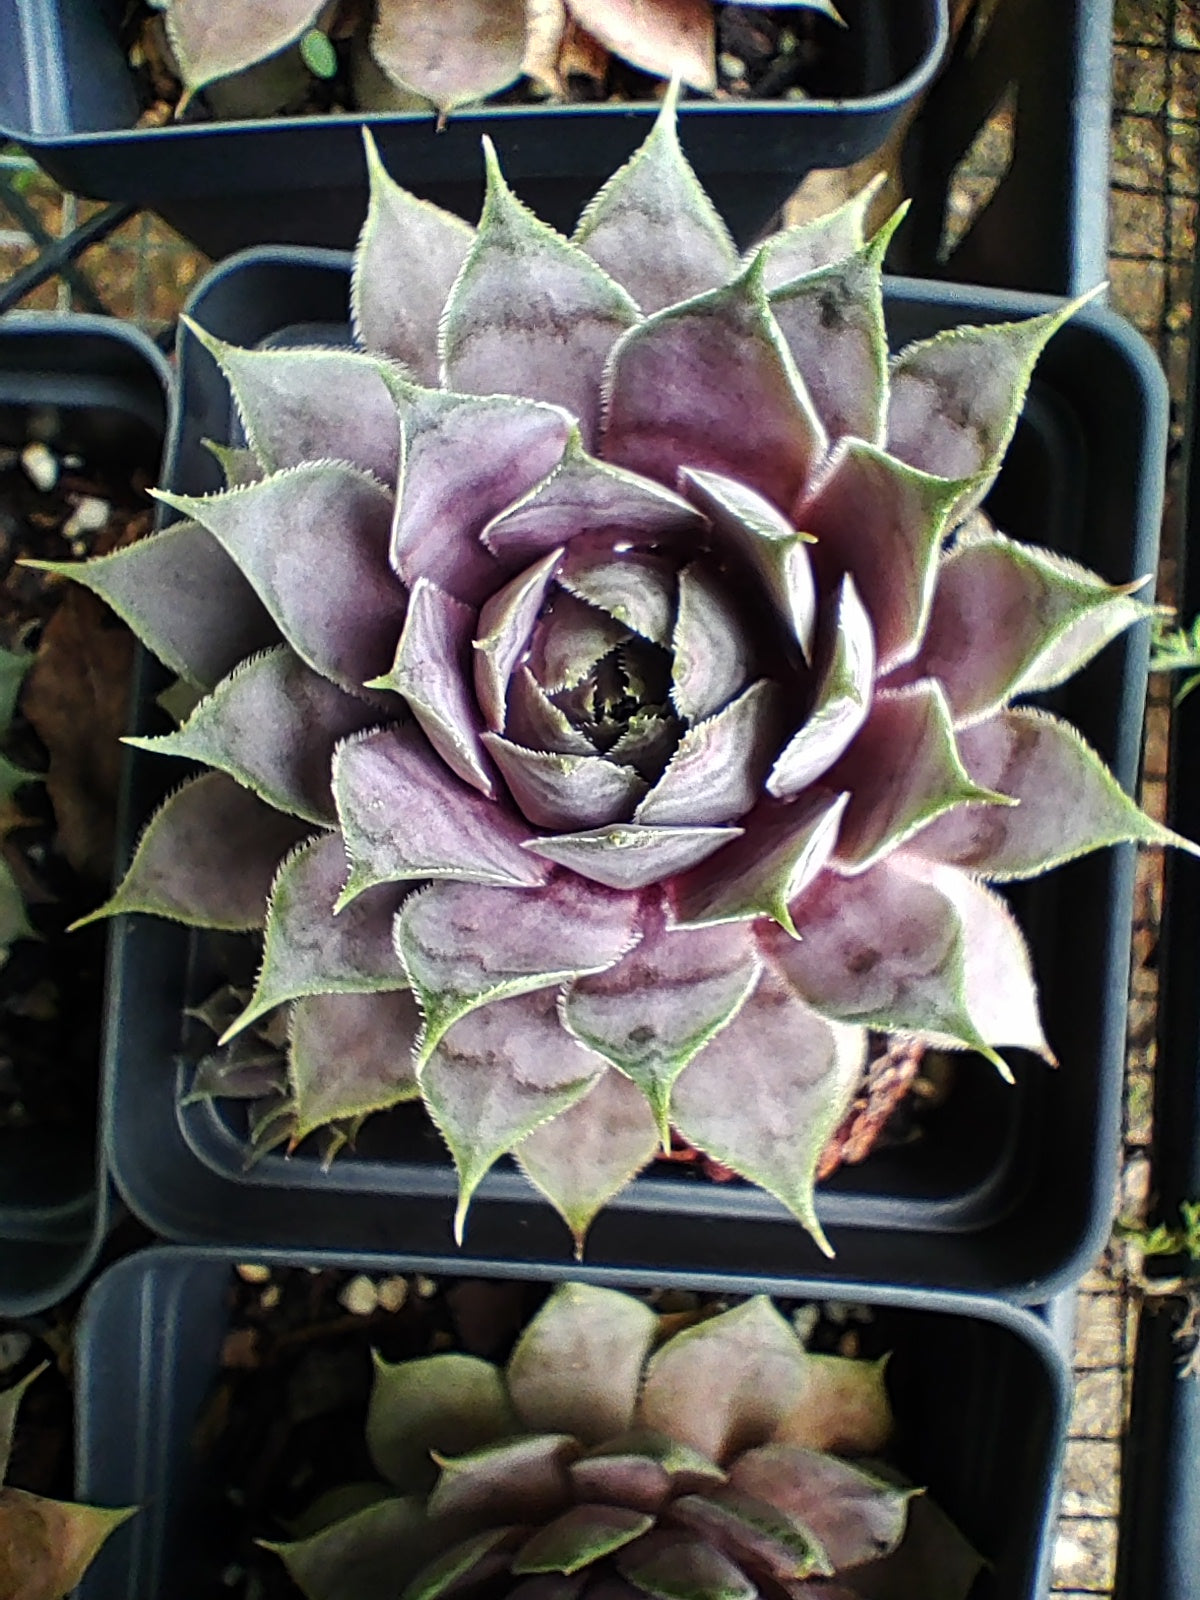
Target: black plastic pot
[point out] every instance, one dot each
(980, 1393)
(102, 390)
(1009, 1191)
(1160, 1531)
(1045, 225)
(67, 96)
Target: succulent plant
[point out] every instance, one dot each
(458, 51)
(606, 1462)
(45, 1545)
(602, 696)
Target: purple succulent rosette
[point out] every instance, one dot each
(611, 1459)
(610, 706)
(410, 55)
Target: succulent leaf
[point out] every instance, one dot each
(589, 1152)
(46, 1546)
(796, 1071)
(578, 1365)
(443, 1404)
(673, 1566)
(183, 597)
(631, 857)
(462, 50)
(466, 945)
(673, 37)
(584, 496)
(1034, 760)
(808, 247)
(650, 1012)
(471, 1561)
(309, 405)
(371, 1038)
(886, 949)
(356, 1558)
(712, 657)
(273, 724)
(213, 43)
(580, 1537)
(396, 312)
(502, 636)
(853, 1516)
(637, 591)
(781, 850)
(719, 765)
(722, 1386)
(840, 704)
(1033, 619)
(313, 543)
(309, 950)
(531, 312)
(832, 321)
(955, 398)
(843, 1407)
(753, 1531)
(767, 543)
(524, 1478)
(680, 385)
(653, 228)
(432, 671)
(904, 769)
(883, 523)
(566, 791)
(498, 1073)
(467, 458)
(404, 817)
(207, 857)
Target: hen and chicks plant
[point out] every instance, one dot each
(610, 706)
(608, 1462)
(455, 52)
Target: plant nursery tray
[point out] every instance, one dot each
(102, 391)
(1007, 1192)
(980, 1393)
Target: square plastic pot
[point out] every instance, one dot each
(1041, 220)
(67, 96)
(1009, 1191)
(980, 1392)
(104, 391)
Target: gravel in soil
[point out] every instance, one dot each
(57, 832)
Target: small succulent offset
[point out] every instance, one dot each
(454, 52)
(46, 1546)
(596, 1466)
(602, 696)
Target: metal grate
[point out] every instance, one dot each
(1155, 181)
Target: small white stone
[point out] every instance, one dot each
(41, 465)
(14, 1347)
(270, 1297)
(804, 1320)
(426, 1288)
(73, 463)
(89, 516)
(837, 1312)
(360, 1296)
(393, 1293)
(253, 1272)
(732, 66)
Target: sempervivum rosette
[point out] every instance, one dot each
(613, 1459)
(601, 697)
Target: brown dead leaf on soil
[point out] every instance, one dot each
(75, 698)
